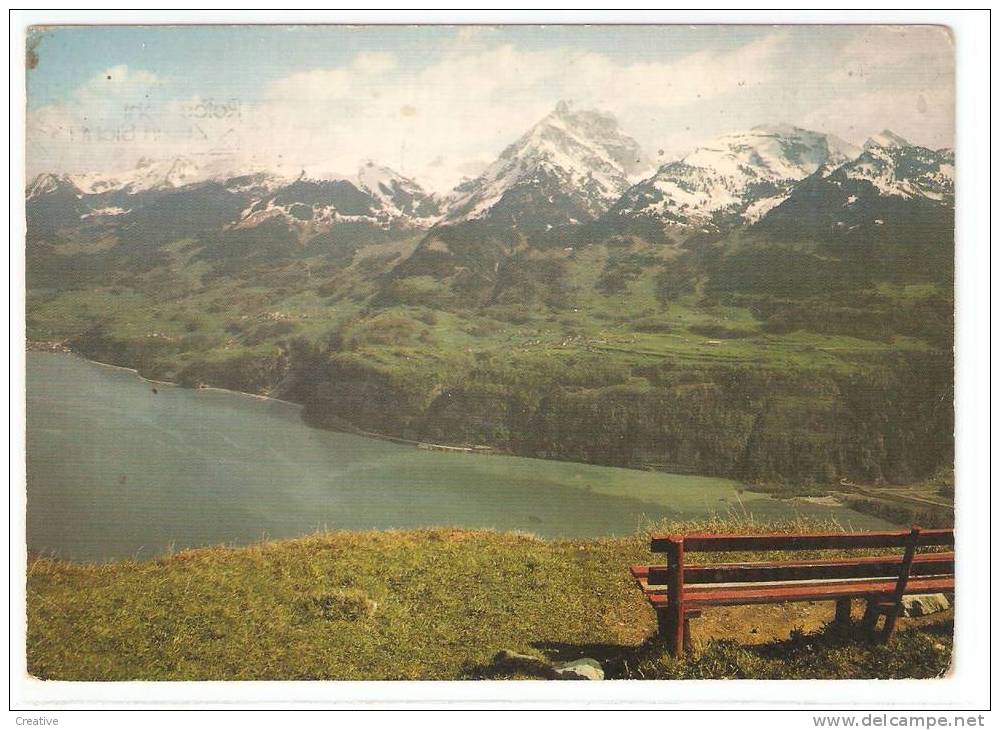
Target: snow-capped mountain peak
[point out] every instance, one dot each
(570, 166)
(892, 190)
(314, 202)
(399, 195)
(904, 170)
(888, 139)
(258, 181)
(735, 178)
(173, 173)
(595, 131)
(378, 179)
(786, 152)
(45, 184)
(146, 175)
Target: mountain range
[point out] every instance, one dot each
(572, 167)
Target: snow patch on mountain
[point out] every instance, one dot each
(399, 196)
(112, 210)
(759, 208)
(257, 182)
(888, 139)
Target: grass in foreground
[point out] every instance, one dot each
(428, 604)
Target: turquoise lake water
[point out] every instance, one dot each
(116, 471)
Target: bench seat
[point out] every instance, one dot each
(926, 564)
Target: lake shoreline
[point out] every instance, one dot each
(62, 347)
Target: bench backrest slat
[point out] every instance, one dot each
(815, 541)
(879, 567)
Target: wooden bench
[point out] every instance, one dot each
(679, 591)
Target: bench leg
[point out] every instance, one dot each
(674, 630)
(663, 624)
(893, 609)
(842, 616)
(874, 610)
(871, 615)
(890, 623)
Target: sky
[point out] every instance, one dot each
(439, 103)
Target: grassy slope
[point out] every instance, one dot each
(429, 604)
(197, 316)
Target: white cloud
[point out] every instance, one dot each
(923, 116)
(374, 62)
(880, 49)
(692, 79)
(896, 77)
(111, 111)
(439, 122)
(117, 82)
(308, 88)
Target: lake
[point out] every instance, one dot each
(118, 471)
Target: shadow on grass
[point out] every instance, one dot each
(852, 635)
(835, 651)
